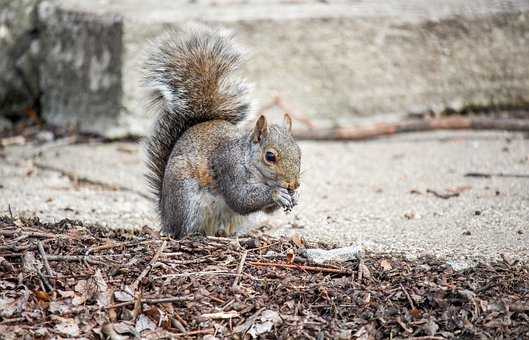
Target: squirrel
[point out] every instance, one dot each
(207, 169)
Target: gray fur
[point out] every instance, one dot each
(206, 171)
(191, 78)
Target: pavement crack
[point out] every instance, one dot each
(80, 181)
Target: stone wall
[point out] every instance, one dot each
(19, 53)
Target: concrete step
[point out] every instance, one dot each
(325, 59)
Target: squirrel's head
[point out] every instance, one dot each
(277, 155)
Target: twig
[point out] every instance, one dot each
(239, 270)
(487, 175)
(197, 332)
(399, 321)
(211, 272)
(44, 280)
(300, 267)
(117, 245)
(129, 303)
(10, 212)
(443, 196)
(410, 300)
(42, 253)
(28, 233)
(76, 258)
(380, 130)
(134, 285)
(6, 321)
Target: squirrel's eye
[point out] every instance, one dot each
(270, 157)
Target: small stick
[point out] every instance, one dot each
(487, 175)
(380, 130)
(197, 332)
(128, 303)
(211, 272)
(74, 258)
(10, 212)
(299, 267)
(151, 301)
(399, 321)
(6, 321)
(44, 259)
(239, 270)
(117, 245)
(44, 281)
(147, 269)
(443, 196)
(410, 300)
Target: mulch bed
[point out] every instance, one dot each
(73, 280)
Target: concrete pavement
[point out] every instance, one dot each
(377, 194)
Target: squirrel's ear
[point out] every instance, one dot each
(288, 122)
(260, 130)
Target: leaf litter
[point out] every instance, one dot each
(69, 279)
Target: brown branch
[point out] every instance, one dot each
(300, 267)
(239, 270)
(77, 258)
(149, 266)
(197, 332)
(410, 300)
(380, 130)
(42, 253)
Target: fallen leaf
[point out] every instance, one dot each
(144, 323)
(68, 327)
(42, 295)
(66, 293)
(416, 313)
(103, 295)
(430, 328)
(59, 307)
(290, 256)
(298, 240)
(6, 266)
(8, 307)
(386, 265)
(125, 295)
(125, 327)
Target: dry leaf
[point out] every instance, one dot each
(8, 307)
(298, 240)
(110, 333)
(144, 323)
(42, 295)
(66, 293)
(68, 327)
(416, 313)
(290, 256)
(386, 265)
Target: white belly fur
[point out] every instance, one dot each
(218, 216)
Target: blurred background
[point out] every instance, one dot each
(75, 63)
(71, 103)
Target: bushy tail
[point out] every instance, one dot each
(191, 76)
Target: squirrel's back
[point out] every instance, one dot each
(191, 76)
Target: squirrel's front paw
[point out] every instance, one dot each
(283, 198)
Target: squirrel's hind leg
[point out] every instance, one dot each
(181, 207)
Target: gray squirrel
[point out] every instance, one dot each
(207, 170)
